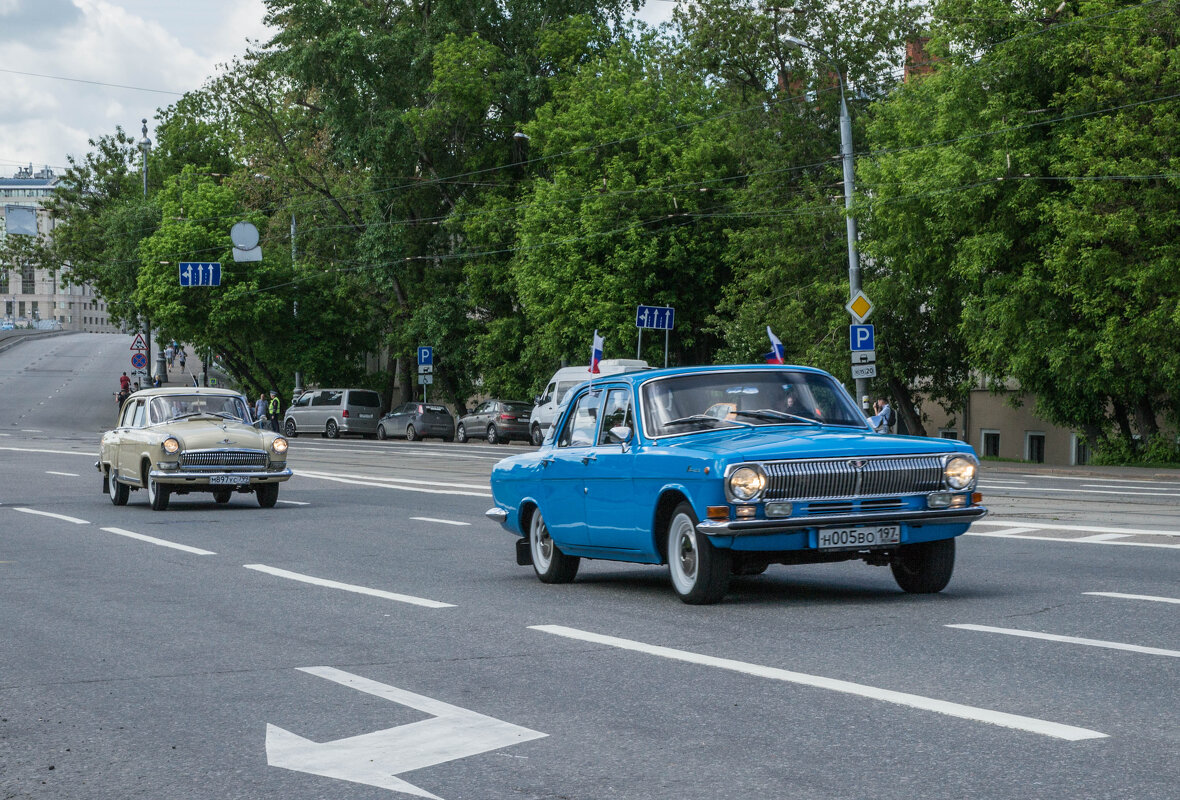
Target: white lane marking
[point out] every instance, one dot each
(348, 587)
(1030, 724)
(1106, 480)
(1103, 537)
(1085, 540)
(408, 486)
(1011, 531)
(1053, 637)
(1112, 486)
(161, 542)
(1043, 489)
(31, 430)
(89, 454)
(63, 474)
(1121, 596)
(440, 521)
(1053, 526)
(396, 451)
(62, 517)
(294, 502)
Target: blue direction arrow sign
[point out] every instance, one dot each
(861, 337)
(425, 355)
(200, 273)
(657, 317)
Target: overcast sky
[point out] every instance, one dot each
(170, 46)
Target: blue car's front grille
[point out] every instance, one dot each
(852, 477)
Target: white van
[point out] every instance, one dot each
(546, 406)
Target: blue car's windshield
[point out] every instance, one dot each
(710, 400)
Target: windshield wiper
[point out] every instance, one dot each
(704, 418)
(771, 414)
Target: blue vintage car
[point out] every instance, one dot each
(724, 470)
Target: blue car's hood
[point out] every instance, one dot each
(779, 442)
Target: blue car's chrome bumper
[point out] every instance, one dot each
(496, 514)
(738, 527)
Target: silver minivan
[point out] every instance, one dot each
(333, 413)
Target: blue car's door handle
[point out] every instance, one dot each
(588, 459)
(546, 461)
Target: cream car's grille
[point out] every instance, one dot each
(237, 459)
(852, 477)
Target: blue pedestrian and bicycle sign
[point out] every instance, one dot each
(200, 273)
(660, 318)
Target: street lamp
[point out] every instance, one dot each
(862, 384)
(145, 146)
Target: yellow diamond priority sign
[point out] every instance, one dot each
(859, 307)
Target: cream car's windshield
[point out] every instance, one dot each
(184, 406)
(710, 400)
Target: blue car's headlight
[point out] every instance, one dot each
(959, 472)
(746, 483)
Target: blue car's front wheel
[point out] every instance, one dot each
(700, 571)
(550, 564)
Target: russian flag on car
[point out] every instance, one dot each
(777, 354)
(595, 353)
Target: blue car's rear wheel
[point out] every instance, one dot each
(550, 564)
(700, 571)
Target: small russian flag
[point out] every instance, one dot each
(777, 354)
(595, 353)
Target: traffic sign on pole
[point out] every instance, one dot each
(861, 337)
(425, 355)
(139, 361)
(138, 343)
(200, 273)
(860, 306)
(660, 318)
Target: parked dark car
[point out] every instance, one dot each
(498, 421)
(418, 421)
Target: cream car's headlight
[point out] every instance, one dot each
(279, 445)
(746, 483)
(959, 472)
(171, 445)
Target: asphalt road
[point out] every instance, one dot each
(374, 627)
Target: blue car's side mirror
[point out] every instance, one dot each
(620, 434)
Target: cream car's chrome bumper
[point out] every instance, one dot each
(228, 479)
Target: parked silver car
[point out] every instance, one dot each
(498, 421)
(418, 421)
(333, 413)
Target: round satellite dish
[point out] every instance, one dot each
(244, 235)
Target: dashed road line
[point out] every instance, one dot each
(1029, 724)
(294, 502)
(1121, 596)
(161, 542)
(440, 521)
(397, 483)
(62, 517)
(63, 474)
(1053, 637)
(348, 587)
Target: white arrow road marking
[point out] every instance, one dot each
(375, 759)
(1022, 723)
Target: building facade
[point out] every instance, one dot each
(35, 297)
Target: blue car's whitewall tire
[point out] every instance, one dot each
(700, 571)
(550, 564)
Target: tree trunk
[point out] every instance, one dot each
(1120, 416)
(905, 407)
(1145, 419)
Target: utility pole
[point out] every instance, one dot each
(145, 144)
(295, 310)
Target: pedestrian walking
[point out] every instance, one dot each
(169, 354)
(273, 410)
(182, 359)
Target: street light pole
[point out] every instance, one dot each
(854, 286)
(145, 145)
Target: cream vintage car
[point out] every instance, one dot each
(190, 439)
